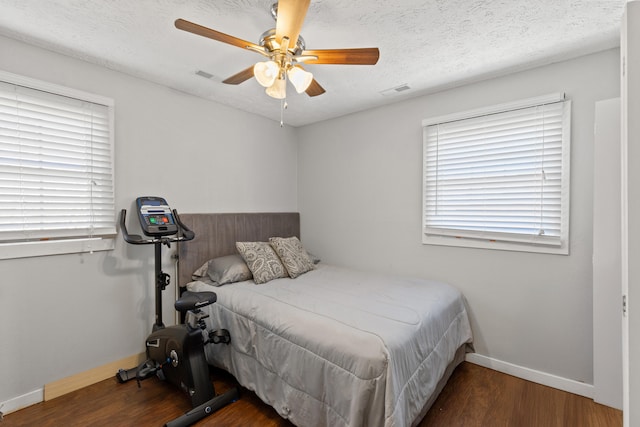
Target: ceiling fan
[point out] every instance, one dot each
(285, 50)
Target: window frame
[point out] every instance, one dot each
(56, 246)
(494, 240)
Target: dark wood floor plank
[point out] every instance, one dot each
(474, 397)
(479, 397)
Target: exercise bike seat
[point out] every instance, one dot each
(192, 300)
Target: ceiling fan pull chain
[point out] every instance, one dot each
(283, 106)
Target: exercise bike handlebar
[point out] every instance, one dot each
(187, 234)
(184, 233)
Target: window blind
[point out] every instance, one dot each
(56, 166)
(501, 176)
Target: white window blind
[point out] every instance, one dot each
(56, 166)
(501, 176)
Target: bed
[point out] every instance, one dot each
(333, 346)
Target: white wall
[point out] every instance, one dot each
(359, 193)
(60, 315)
(360, 204)
(607, 261)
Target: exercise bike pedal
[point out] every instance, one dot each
(147, 370)
(124, 375)
(219, 336)
(142, 372)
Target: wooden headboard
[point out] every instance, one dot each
(217, 234)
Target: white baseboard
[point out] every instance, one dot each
(31, 398)
(69, 384)
(532, 375)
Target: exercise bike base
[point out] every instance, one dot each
(206, 409)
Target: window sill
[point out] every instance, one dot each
(54, 247)
(495, 245)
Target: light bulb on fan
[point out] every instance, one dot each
(300, 78)
(278, 89)
(266, 72)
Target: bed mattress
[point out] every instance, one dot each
(338, 347)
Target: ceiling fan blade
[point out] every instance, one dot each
(240, 77)
(315, 89)
(359, 56)
(190, 27)
(291, 14)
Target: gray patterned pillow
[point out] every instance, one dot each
(293, 256)
(262, 261)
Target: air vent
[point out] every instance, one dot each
(204, 74)
(395, 90)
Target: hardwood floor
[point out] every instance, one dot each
(477, 396)
(474, 396)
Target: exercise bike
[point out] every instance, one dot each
(176, 353)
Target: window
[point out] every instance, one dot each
(499, 177)
(56, 169)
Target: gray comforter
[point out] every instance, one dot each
(337, 347)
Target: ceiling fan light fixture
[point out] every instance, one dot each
(278, 89)
(300, 78)
(283, 46)
(266, 73)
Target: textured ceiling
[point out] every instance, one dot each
(426, 45)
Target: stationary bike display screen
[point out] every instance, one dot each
(156, 218)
